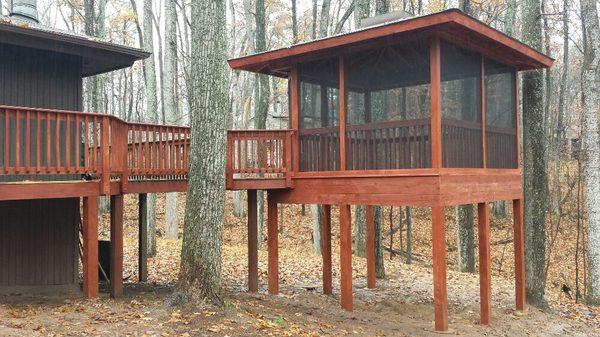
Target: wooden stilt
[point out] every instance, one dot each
(116, 246)
(142, 238)
(485, 277)
(519, 248)
(346, 257)
(273, 244)
(326, 249)
(252, 243)
(439, 269)
(370, 231)
(90, 247)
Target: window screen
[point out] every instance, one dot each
(388, 117)
(319, 114)
(461, 107)
(501, 132)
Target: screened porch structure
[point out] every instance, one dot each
(421, 111)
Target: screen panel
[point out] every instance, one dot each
(500, 117)
(462, 140)
(388, 115)
(319, 132)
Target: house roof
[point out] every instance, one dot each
(452, 25)
(98, 56)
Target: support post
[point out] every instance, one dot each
(345, 258)
(326, 249)
(90, 247)
(143, 237)
(116, 246)
(485, 276)
(252, 243)
(370, 233)
(519, 248)
(273, 244)
(439, 269)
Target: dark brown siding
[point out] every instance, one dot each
(39, 79)
(38, 242)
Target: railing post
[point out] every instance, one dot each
(288, 158)
(105, 155)
(229, 161)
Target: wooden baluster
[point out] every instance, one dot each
(94, 163)
(68, 143)
(28, 142)
(6, 141)
(86, 143)
(57, 143)
(48, 143)
(17, 142)
(38, 142)
(77, 143)
(105, 155)
(147, 150)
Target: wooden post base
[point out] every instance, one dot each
(485, 277)
(273, 244)
(439, 269)
(519, 248)
(90, 247)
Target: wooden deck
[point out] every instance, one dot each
(59, 154)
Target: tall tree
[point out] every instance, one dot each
(534, 160)
(151, 110)
(200, 272)
(294, 21)
(590, 77)
(171, 108)
(465, 231)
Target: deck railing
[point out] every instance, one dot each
(55, 142)
(253, 154)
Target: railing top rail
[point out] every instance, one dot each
(260, 130)
(89, 114)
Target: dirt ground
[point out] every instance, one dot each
(401, 305)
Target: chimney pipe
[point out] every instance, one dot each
(25, 10)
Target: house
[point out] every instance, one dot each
(53, 157)
(419, 111)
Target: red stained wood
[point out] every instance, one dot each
(519, 251)
(252, 243)
(435, 103)
(326, 249)
(295, 114)
(370, 238)
(273, 244)
(346, 257)
(90, 247)
(485, 276)
(439, 269)
(116, 246)
(342, 112)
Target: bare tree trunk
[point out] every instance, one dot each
(534, 155)
(171, 108)
(200, 272)
(465, 238)
(409, 238)
(151, 111)
(294, 21)
(591, 136)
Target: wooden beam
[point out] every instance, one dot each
(326, 248)
(143, 237)
(439, 269)
(346, 257)
(342, 112)
(485, 276)
(435, 102)
(252, 243)
(483, 113)
(273, 244)
(90, 247)
(517, 119)
(519, 249)
(116, 246)
(370, 233)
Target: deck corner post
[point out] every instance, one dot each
(273, 244)
(439, 269)
(370, 238)
(346, 257)
(326, 249)
(142, 238)
(252, 243)
(485, 278)
(116, 246)
(90, 247)
(519, 251)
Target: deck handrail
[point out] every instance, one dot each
(259, 153)
(46, 141)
